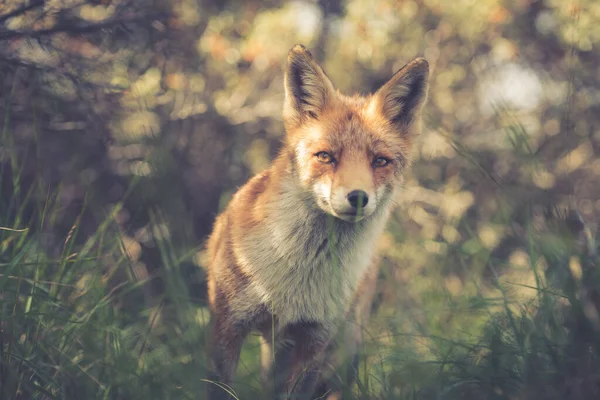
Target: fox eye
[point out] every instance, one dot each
(324, 157)
(381, 162)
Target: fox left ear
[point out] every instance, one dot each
(308, 90)
(401, 99)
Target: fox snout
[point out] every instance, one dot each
(352, 205)
(358, 199)
(357, 202)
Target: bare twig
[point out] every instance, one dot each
(22, 9)
(68, 28)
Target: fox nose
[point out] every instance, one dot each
(358, 198)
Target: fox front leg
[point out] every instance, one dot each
(298, 357)
(226, 341)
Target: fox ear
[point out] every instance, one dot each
(307, 88)
(401, 99)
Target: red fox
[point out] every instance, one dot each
(292, 256)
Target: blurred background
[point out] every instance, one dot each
(127, 126)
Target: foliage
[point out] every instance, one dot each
(126, 126)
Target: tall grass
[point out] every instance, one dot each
(78, 322)
(544, 348)
(75, 320)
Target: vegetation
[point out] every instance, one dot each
(126, 126)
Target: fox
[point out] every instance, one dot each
(293, 255)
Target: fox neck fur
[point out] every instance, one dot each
(303, 264)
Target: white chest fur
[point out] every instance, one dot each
(305, 264)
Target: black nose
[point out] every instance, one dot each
(358, 198)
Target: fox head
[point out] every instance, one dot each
(350, 152)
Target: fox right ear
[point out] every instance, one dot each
(401, 99)
(307, 88)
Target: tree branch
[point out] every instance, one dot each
(22, 9)
(67, 28)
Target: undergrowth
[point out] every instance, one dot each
(77, 320)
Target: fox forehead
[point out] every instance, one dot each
(352, 130)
